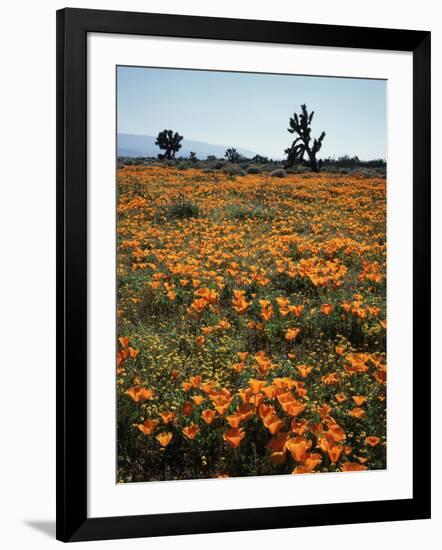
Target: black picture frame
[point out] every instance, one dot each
(73, 25)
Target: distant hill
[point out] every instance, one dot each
(133, 145)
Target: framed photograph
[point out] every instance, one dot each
(243, 301)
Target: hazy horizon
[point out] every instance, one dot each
(252, 110)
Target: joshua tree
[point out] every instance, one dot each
(192, 156)
(301, 125)
(170, 142)
(259, 159)
(232, 154)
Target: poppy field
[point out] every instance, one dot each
(251, 315)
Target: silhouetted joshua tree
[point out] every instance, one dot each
(259, 159)
(301, 125)
(170, 142)
(192, 156)
(232, 154)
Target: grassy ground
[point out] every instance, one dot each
(252, 323)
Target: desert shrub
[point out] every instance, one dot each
(218, 165)
(240, 212)
(233, 170)
(278, 173)
(366, 172)
(253, 170)
(300, 169)
(178, 209)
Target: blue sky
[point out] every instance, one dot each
(252, 110)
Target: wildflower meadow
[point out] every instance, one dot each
(251, 322)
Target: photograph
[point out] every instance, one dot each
(251, 274)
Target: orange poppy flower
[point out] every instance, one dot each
(278, 457)
(187, 408)
(239, 367)
(175, 373)
(199, 340)
(208, 415)
(296, 310)
(273, 423)
(267, 312)
(326, 309)
(357, 413)
(186, 385)
(133, 352)
(340, 397)
(298, 447)
(298, 426)
(222, 404)
(292, 333)
(285, 398)
(352, 467)
(256, 385)
(294, 408)
(265, 410)
(207, 387)
(339, 350)
(335, 432)
(324, 410)
(269, 391)
(140, 393)
(242, 355)
(277, 442)
(148, 426)
(257, 399)
(380, 376)
(164, 438)
(234, 420)
(359, 400)
(330, 379)
(245, 394)
(372, 440)
(246, 410)
(168, 416)
(191, 431)
(197, 399)
(124, 341)
(304, 370)
(357, 362)
(234, 436)
(328, 445)
(207, 294)
(195, 381)
(312, 460)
